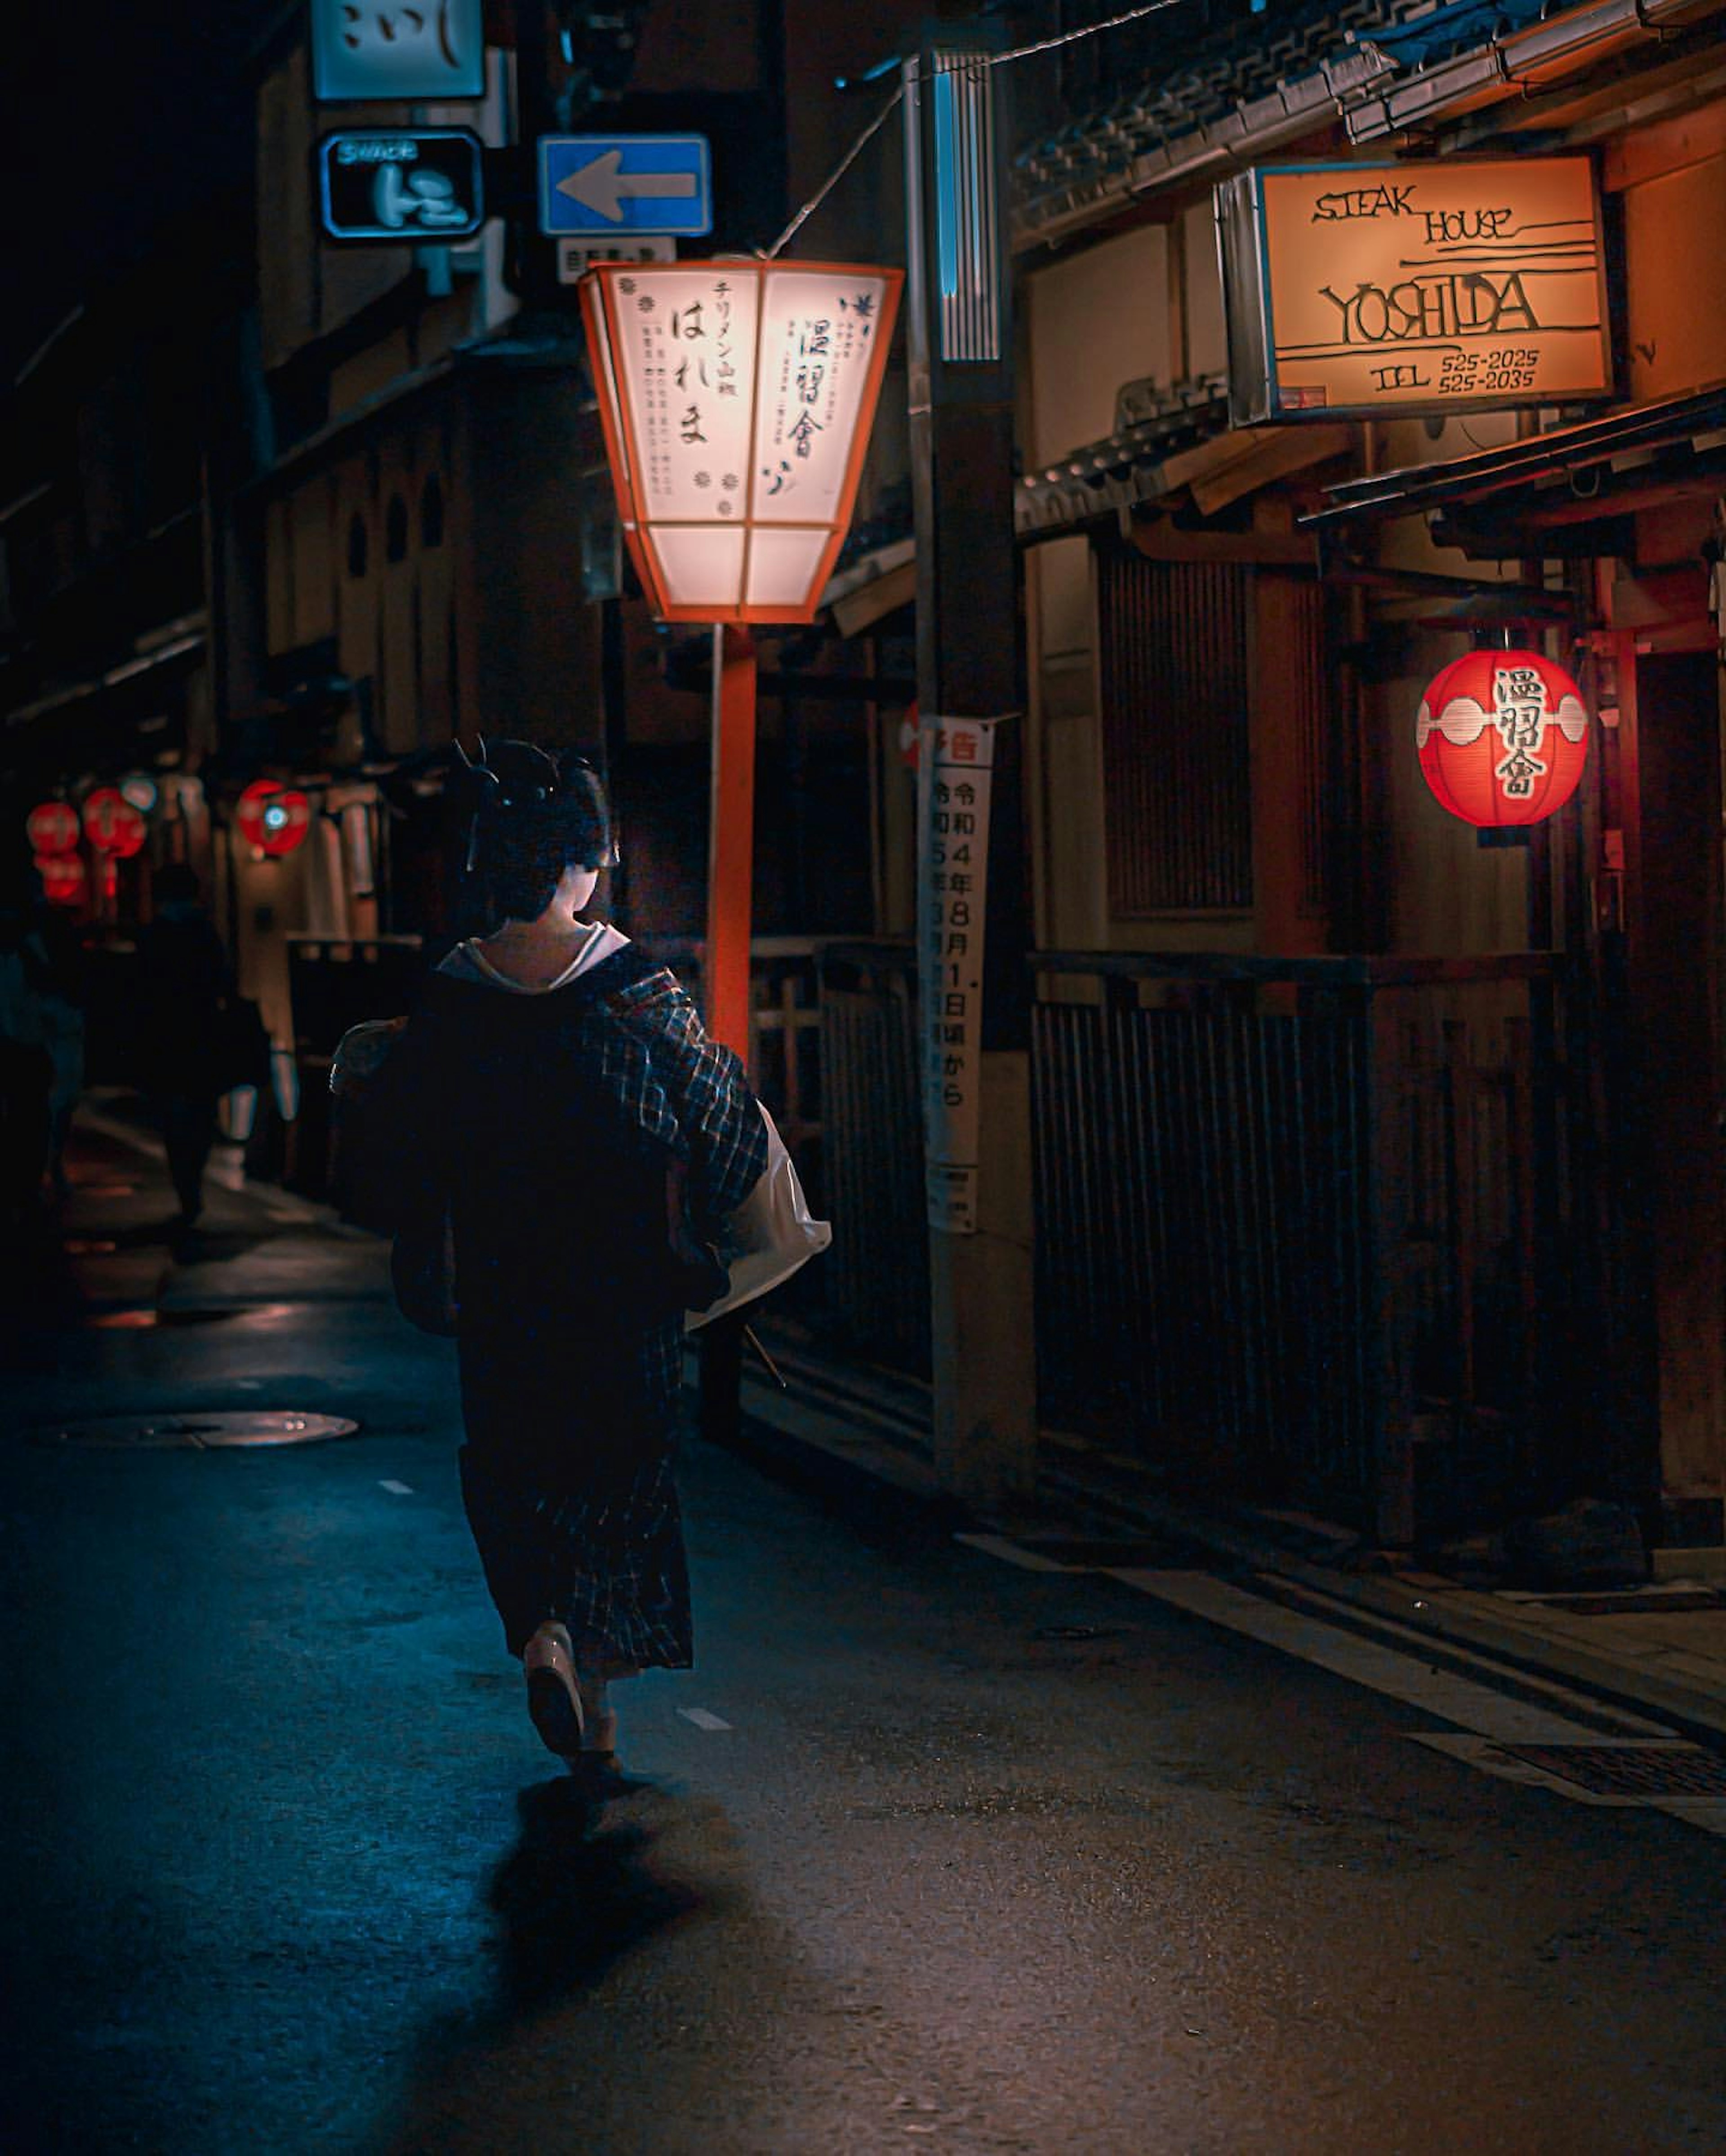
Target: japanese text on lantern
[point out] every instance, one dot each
(955, 770)
(687, 352)
(817, 339)
(1519, 713)
(1460, 282)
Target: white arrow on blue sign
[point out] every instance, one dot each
(625, 184)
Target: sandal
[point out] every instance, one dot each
(554, 1692)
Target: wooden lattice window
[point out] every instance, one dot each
(1178, 803)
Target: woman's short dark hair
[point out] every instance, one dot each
(537, 816)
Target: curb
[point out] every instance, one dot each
(874, 1485)
(852, 1464)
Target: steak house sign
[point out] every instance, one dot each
(1413, 288)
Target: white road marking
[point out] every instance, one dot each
(398, 1489)
(1362, 1661)
(701, 1718)
(1487, 1719)
(1009, 1552)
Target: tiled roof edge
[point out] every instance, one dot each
(1255, 126)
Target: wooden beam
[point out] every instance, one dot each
(1164, 541)
(1275, 453)
(870, 602)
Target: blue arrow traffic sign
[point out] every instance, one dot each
(593, 184)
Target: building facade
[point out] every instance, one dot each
(1400, 1198)
(1371, 1166)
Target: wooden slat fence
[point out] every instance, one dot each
(1299, 1223)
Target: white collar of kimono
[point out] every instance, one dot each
(601, 940)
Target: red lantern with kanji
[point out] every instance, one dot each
(272, 817)
(53, 828)
(63, 878)
(1503, 737)
(111, 824)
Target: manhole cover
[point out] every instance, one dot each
(202, 1432)
(1629, 1770)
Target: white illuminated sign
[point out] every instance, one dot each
(382, 51)
(738, 398)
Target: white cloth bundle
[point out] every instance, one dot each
(768, 1238)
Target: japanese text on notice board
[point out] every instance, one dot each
(956, 758)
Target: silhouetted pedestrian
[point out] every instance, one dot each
(186, 981)
(555, 1095)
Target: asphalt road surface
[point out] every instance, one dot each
(934, 1848)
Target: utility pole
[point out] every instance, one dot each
(533, 264)
(975, 1061)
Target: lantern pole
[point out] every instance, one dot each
(730, 844)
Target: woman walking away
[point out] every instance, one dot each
(555, 1098)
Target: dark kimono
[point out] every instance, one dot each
(572, 1133)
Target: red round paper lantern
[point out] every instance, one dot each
(111, 824)
(53, 828)
(273, 818)
(1503, 737)
(63, 878)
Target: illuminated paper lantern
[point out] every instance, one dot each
(1503, 737)
(737, 399)
(111, 824)
(63, 878)
(53, 828)
(272, 817)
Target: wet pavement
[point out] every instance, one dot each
(940, 1843)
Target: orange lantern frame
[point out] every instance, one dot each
(606, 291)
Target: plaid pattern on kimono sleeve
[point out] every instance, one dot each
(705, 1091)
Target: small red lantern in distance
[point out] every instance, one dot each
(52, 827)
(62, 878)
(111, 824)
(1503, 737)
(272, 817)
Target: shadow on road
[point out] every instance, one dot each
(581, 1890)
(577, 1892)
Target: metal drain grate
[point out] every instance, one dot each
(1628, 1770)
(201, 1433)
(1665, 1602)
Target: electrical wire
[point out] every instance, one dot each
(981, 59)
(850, 157)
(1071, 37)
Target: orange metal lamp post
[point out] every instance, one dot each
(737, 399)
